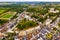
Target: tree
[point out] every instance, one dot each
(26, 24)
(3, 21)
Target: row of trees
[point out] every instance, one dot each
(3, 21)
(37, 10)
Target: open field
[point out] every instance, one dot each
(8, 15)
(3, 10)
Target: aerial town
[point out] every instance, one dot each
(29, 21)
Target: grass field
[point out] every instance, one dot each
(8, 15)
(1, 11)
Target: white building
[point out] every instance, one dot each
(53, 11)
(16, 39)
(40, 38)
(28, 17)
(48, 21)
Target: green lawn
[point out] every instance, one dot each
(7, 16)
(1, 11)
